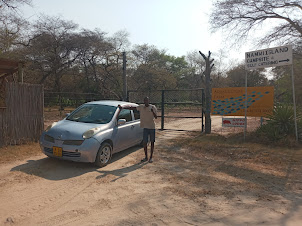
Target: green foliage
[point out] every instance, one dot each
(236, 77)
(283, 81)
(281, 123)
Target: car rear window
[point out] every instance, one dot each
(136, 114)
(125, 114)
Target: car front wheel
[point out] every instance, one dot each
(104, 155)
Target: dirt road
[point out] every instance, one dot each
(179, 188)
(44, 191)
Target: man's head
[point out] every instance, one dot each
(146, 101)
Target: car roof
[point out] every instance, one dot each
(111, 102)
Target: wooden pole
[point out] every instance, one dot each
(124, 78)
(20, 72)
(245, 112)
(294, 100)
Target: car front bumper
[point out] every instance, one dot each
(86, 152)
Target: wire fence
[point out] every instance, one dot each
(67, 99)
(177, 109)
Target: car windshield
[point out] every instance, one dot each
(93, 113)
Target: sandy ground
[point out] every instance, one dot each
(180, 187)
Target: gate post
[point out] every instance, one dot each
(202, 112)
(127, 99)
(162, 109)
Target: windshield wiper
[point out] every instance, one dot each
(74, 120)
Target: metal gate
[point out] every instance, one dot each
(180, 110)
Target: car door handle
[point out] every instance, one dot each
(132, 127)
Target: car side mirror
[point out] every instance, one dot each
(67, 114)
(121, 122)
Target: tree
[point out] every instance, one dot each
(236, 77)
(208, 90)
(152, 69)
(146, 78)
(113, 66)
(11, 25)
(93, 49)
(12, 4)
(191, 77)
(283, 82)
(241, 17)
(53, 50)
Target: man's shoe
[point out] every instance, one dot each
(144, 160)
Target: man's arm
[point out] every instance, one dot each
(126, 107)
(154, 113)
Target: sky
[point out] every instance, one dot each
(178, 26)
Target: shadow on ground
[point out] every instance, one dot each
(205, 175)
(120, 173)
(57, 169)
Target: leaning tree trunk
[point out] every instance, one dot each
(208, 89)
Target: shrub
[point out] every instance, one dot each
(281, 123)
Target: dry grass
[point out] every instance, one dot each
(213, 165)
(235, 149)
(53, 115)
(18, 152)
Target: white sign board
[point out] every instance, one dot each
(278, 56)
(233, 122)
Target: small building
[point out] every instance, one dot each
(21, 105)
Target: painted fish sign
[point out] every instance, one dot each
(278, 56)
(231, 101)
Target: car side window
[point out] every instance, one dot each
(136, 114)
(125, 114)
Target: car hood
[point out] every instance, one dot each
(71, 130)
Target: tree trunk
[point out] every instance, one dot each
(208, 122)
(208, 89)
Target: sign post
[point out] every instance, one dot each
(272, 57)
(245, 111)
(294, 100)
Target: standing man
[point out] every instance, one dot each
(148, 113)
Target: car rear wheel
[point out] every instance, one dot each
(104, 155)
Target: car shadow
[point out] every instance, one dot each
(58, 169)
(120, 173)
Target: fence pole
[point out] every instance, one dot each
(60, 103)
(124, 77)
(20, 72)
(162, 109)
(127, 96)
(245, 111)
(294, 101)
(202, 113)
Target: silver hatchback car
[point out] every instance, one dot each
(93, 132)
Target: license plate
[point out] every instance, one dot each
(57, 151)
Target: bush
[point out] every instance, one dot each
(281, 123)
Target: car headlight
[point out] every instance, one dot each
(91, 132)
(50, 126)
